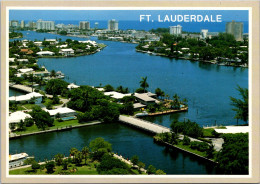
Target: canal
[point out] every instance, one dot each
(207, 87)
(125, 140)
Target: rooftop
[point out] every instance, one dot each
(62, 110)
(116, 95)
(72, 85)
(17, 116)
(233, 129)
(145, 97)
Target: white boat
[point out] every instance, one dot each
(17, 160)
(144, 113)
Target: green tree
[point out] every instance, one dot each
(144, 84)
(210, 151)
(56, 86)
(21, 125)
(59, 158)
(65, 164)
(108, 88)
(160, 172)
(28, 122)
(186, 140)
(233, 157)
(99, 147)
(159, 92)
(73, 152)
(241, 105)
(78, 158)
(135, 159)
(85, 152)
(151, 169)
(41, 118)
(50, 167)
(35, 166)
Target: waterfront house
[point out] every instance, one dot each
(41, 74)
(25, 70)
(38, 43)
(22, 61)
(72, 85)
(17, 160)
(62, 111)
(145, 98)
(26, 98)
(67, 52)
(11, 60)
(16, 117)
(45, 53)
(52, 41)
(116, 95)
(139, 105)
(62, 46)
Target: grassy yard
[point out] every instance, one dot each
(207, 132)
(187, 147)
(56, 125)
(82, 169)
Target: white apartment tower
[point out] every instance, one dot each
(204, 33)
(176, 30)
(84, 25)
(22, 23)
(112, 25)
(45, 25)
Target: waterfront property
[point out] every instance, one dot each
(17, 160)
(27, 98)
(146, 98)
(62, 112)
(16, 117)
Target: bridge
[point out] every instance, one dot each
(21, 88)
(142, 124)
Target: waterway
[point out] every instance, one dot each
(125, 140)
(207, 88)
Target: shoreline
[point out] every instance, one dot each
(198, 60)
(55, 130)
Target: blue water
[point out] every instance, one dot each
(125, 140)
(207, 87)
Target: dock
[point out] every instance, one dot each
(142, 124)
(168, 112)
(20, 87)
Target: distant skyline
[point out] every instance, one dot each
(227, 15)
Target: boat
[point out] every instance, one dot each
(144, 113)
(17, 160)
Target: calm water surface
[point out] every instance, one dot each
(207, 88)
(125, 140)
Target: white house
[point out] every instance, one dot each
(25, 70)
(67, 52)
(11, 60)
(22, 60)
(63, 111)
(72, 85)
(145, 98)
(17, 116)
(62, 46)
(116, 95)
(27, 97)
(45, 53)
(38, 43)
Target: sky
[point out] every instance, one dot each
(227, 15)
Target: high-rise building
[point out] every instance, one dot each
(176, 30)
(45, 25)
(96, 25)
(84, 25)
(236, 29)
(22, 23)
(14, 23)
(204, 33)
(112, 25)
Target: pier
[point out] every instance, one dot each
(145, 125)
(21, 88)
(168, 112)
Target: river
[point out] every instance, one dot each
(207, 88)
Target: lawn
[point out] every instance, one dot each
(57, 124)
(207, 132)
(187, 147)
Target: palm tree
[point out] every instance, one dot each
(73, 151)
(53, 73)
(143, 83)
(241, 105)
(85, 152)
